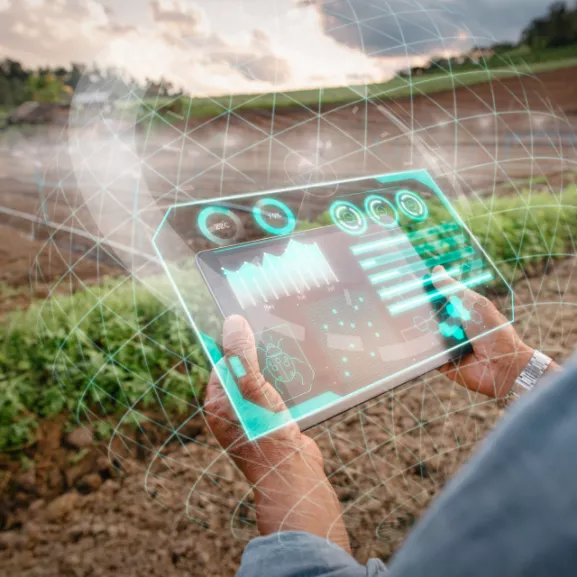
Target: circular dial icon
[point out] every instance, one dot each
(348, 217)
(381, 211)
(220, 225)
(412, 205)
(274, 216)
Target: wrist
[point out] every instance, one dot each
(532, 374)
(520, 358)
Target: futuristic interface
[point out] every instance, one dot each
(359, 294)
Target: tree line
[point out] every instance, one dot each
(547, 38)
(555, 30)
(54, 85)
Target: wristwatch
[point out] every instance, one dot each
(530, 375)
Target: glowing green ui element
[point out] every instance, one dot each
(381, 211)
(348, 217)
(457, 310)
(412, 205)
(262, 209)
(451, 331)
(299, 268)
(237, 367)
(323, 306)
(230, 219)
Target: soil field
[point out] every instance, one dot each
(67, 510)
(72, 516)
(473, 140)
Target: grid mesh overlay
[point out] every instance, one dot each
(105, 191)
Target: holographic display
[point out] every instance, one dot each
(338, 288)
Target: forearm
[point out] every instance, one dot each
(313, 508)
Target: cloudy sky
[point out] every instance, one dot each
(222, 46)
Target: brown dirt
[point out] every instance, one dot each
(76, 512)
(106, 523)
(30, 267)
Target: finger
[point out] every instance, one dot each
(491, 318)
(241, 354)
(216, 401)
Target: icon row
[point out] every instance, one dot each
(223, 226)
(352, 220)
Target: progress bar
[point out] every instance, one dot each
(423, 264)
(391, 241)
(391, 292)
(439, 294)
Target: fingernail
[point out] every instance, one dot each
(233, 325)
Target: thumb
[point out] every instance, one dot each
(491, 318)
(241, 355)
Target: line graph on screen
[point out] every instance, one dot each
(300, 269)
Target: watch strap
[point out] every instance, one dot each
(531, 374)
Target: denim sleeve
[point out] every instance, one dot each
(513, 509)
(297, 554)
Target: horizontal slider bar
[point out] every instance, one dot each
(388, 258)
(393, 240)
(425, 264)
(439, 294)
(390, 292)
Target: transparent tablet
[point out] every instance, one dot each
(335, 281)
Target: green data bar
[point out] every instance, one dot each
(394, 240)
(424, 264)
(393, 291)
(439, 294)
(412, 251)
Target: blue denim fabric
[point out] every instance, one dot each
(511, 512)
(297, 554)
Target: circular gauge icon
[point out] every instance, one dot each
(381, 211)
(274, 216)
(412, 205)
(220, 225)
(348, 217)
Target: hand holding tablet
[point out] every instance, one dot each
(345, 310)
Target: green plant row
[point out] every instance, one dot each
(107, 351)
(117, 349)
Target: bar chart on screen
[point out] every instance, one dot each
(300, 269)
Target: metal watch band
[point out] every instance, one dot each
(531, 374)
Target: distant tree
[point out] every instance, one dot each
(502, 47)
(60, 72)
(5, 92)
(557, 28)
(76, 73)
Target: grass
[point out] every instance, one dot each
(179, 109)
(116, 349)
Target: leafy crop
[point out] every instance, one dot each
(116, 346)
(101, 352)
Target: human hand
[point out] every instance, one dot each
(285, 468)
(497, 358)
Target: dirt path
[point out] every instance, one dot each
(108, 525)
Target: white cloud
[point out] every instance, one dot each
(190, 43)
(179, 20)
